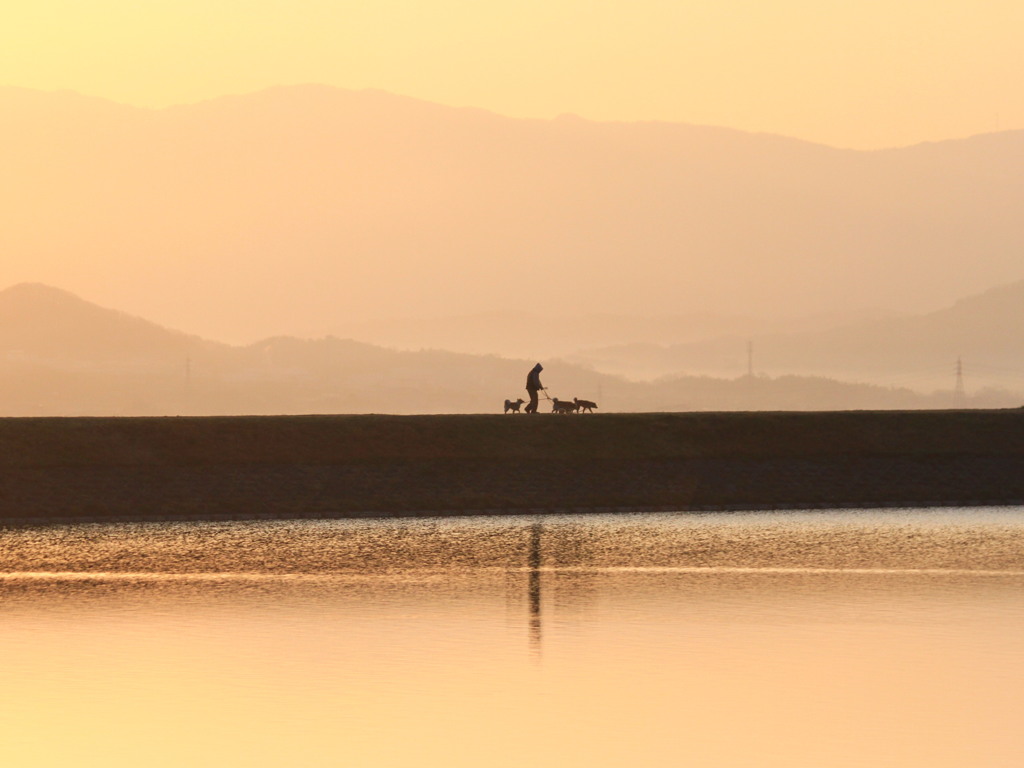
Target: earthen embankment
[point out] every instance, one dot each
(96, 469)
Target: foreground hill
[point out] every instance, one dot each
(301, 210)
(61, 356)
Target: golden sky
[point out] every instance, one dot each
(862, 74)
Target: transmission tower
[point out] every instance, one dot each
(959, 396)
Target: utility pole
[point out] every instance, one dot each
(959, 395)
(750, 359)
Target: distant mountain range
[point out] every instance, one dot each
(61, 355)
(985, 331)
(308, 210)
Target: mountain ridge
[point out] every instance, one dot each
(313, 87)
(984, 329)
(301, 213)
(40, 320)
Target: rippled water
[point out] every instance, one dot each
(882, 638)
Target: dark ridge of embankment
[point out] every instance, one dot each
(82, 469)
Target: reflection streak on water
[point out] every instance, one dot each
(534, 568)
(534, 574)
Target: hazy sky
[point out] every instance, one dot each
(861, 74)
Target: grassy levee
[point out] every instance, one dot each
(350, 466)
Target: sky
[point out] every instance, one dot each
(866, 75)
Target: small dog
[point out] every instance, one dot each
(563, 406)
(585, 406)
(513, 405)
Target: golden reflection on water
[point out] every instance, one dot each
(793, 639)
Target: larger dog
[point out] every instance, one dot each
(585, 406)
(563, 406)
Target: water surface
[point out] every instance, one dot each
(842, 638)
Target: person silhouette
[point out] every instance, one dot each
(533, 386)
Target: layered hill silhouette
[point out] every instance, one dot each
(304, 210)
(986, 331)
(63, 356)
(45, 324)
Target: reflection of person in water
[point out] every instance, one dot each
(533, 587)
(533, 386)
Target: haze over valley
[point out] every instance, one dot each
(918, 351)
(61, 355)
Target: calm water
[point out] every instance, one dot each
(786, 639)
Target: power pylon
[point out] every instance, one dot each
(959, 395)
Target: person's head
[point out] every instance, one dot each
(538, 367)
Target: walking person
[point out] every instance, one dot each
(533, 386)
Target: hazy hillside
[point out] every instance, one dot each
(41, 323)
(60, 355)
(63, 356)
(521, 334)
(985, 330)
(304, 210)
